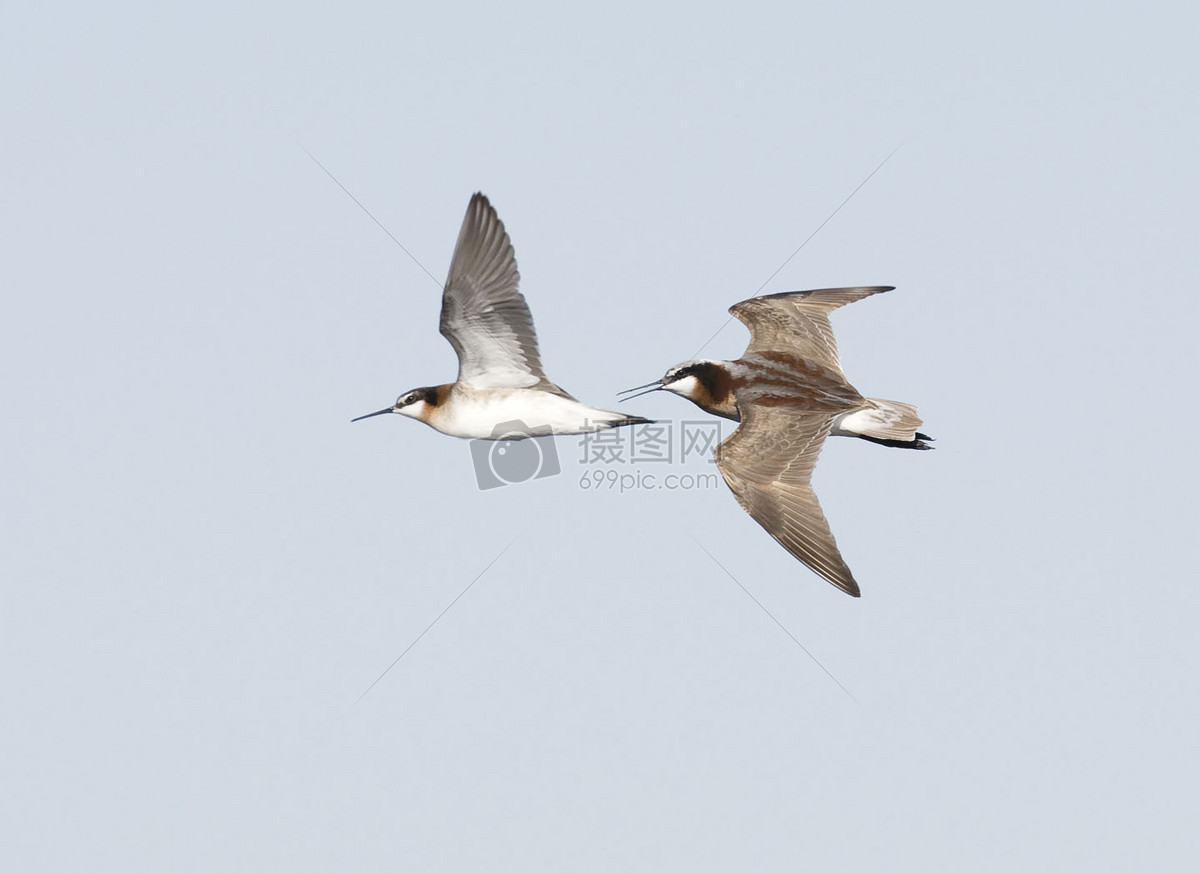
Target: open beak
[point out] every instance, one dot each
(369, 415)
(641, 390)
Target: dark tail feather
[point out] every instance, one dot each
(630, 420)
(918, 442)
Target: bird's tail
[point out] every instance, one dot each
(604, 419)
(890, 423)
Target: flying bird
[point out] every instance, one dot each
(788, 393)
(501, 383)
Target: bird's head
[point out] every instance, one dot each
(416, 404)
(704, 382)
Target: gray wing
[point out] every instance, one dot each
(484, 316)
(768, 463)
(798, 321)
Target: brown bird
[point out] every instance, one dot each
(789, 393)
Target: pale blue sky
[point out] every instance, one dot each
(206, 564)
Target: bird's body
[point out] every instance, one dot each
(502, 390)
(476, 413)
(788, 394)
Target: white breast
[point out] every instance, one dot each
(492, 414)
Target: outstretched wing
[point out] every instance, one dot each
(768, 463)
(484, 315)
(798, 321)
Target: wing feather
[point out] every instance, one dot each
(484, 315)
(768, 463)
(798, 321)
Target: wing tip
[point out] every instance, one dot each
(853, 593)
(480, 206)
(840, 578)
(867, 291)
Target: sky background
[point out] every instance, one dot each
(205, 564)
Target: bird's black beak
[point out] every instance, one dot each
(641, 390)
(369, 415)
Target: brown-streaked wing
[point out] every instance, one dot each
(768, 463)
(798, 321)
(484, 315)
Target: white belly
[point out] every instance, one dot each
(490, 415)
